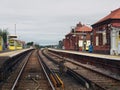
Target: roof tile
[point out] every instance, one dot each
(113, 15)
(83, 28)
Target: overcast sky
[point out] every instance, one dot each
(48, 21)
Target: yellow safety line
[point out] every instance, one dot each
(53, 80)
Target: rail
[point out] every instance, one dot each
(22, 69)
(46, 73)
(79, 78)
(58, 83)
(13, 87)
(95, 75)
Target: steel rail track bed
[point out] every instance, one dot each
(31, 76)
(70, 83)
(94, 77)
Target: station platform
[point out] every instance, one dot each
(102, 56)
(12, 53)
(107, 62)
(8, 61)
(5, 56)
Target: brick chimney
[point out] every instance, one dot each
(79, 24)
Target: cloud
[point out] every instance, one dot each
(47, 21)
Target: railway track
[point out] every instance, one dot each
(69, 82)
(31, 75)
(95, 79)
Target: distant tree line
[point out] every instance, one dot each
(30, 43)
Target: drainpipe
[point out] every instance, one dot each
(113, 50)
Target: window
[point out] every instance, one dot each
(97, 41)
(80, 43)
(100, 39)
(104, 38)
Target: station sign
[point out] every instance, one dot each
(12, 36)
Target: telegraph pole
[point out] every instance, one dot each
(15, 29)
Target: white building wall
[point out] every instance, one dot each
(115, 42)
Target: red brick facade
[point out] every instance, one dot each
(102, 32)
(78, 39)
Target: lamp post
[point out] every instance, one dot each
(84, 42)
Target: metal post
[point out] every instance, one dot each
(15, 29)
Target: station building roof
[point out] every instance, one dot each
(79, 28)
(115, 14)
(83, 28)
(69, 34)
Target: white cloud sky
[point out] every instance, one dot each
(47, 21)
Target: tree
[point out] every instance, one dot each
(37, 46)
(30, 43)
(3, 34)
(0, 32)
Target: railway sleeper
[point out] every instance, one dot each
(32, 75)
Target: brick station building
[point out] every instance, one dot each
(78, 39)
(106, 34)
